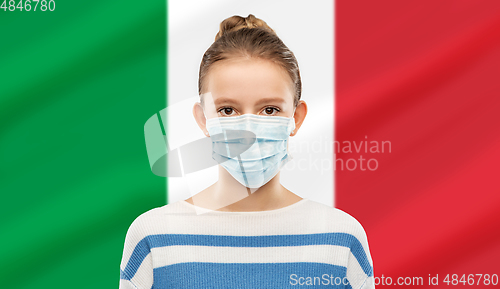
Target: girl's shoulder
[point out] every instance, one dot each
(335, 219)
(148, 222)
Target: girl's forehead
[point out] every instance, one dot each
(252, 77)
(247, 62)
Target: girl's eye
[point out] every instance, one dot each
(270, 110)
(229, 111)
(226, 111)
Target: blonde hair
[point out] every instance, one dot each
(250, 37)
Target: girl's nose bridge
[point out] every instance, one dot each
(248, 107)
(250, 112)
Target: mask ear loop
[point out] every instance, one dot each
(292, 128)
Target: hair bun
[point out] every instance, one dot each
(236, 22)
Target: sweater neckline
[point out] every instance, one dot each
(283, 209)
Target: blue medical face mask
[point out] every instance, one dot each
(252, 148)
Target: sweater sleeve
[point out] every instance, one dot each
(136, 268)
(125, 283)
(360, 265)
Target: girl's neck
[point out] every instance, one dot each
(227, 194)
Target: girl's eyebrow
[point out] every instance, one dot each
(222, 100)
(270, 99)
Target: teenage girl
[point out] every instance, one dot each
(247, 230)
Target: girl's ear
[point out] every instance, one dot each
(200, 118)
(299, 116)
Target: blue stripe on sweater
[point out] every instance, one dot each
(249, 275)
(143, 248)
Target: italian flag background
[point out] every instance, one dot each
(77, 85)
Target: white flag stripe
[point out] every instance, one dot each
(307, 28)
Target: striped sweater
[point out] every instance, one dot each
(306, 244)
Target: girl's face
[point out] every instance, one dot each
(241, 85)
(248, 86)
